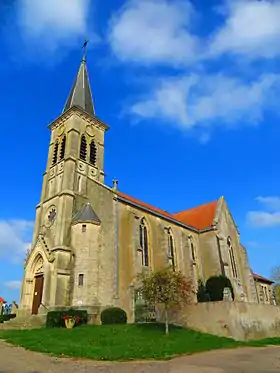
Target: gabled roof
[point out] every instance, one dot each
(80, 94)
(200, 217)
(262, 279)
(86, 214)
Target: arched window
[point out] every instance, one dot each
(62, 148)
(193, 252)
(144, 244)
(83, 148)
(171, 250)
(232, 259)
(194, 264)
(92, 154)
(55, 153)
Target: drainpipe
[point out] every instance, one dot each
(115, 188)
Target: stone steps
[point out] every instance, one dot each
(28, 322)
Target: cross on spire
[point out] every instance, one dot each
(85, 49)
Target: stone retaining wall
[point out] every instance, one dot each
(239, 320)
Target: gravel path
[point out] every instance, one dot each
(244, 360)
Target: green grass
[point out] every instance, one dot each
(120, 342)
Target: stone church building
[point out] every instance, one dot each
(90, 240)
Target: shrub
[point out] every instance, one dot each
(113, 315)
(202, 294)
(55, 318)
(6, 317)
(215, 287)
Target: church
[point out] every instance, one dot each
(91, 240)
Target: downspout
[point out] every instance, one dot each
(115, 182)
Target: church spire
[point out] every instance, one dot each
(80, 94)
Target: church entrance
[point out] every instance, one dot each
(38, 293)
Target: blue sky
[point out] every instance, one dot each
(190, 91)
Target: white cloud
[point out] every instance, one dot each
(193, 100)
(271, 203)
(50, 24)
(251, 28)
(269, 217)
(152, 31)
(263, 218)
(13, 284)
(15, 237)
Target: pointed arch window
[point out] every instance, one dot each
(194, 264)
(171, 250)
(83, 148)
(232, 259)
(92, 154)
(62, 148)
(55, 153)
(144, 244)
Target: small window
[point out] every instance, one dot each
(81, 280)
(84, 228)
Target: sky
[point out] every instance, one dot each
(190, 91)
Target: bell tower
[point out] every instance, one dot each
(75, 162)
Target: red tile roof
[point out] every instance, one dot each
(2, 300)
(263, 279)
(200, 217)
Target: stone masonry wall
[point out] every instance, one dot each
(238, 320)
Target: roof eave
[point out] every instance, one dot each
(177, 222)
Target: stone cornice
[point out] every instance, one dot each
(95, 121)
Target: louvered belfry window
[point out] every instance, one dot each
(62, 148)
(92, 154)
(83, 148)
(55, 153)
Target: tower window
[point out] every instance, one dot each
(83, 148)
(84, 228)
(62, 148)
(55, 153)
(81, 280)
(144, 245)
(92, 154)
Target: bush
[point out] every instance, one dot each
(55, 318)
(113, 315)
(215, 287)
(6, 317)
(202, 294)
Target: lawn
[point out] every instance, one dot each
(120, 342)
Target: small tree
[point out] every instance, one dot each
(168, 288)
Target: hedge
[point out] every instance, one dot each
(55, 318)
(215, 286)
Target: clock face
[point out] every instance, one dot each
(61, 130)
(51, 216)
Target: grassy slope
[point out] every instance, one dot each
(121, 342)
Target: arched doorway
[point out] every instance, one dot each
(38, 284)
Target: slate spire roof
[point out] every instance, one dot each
(86, 214)
(80, 94)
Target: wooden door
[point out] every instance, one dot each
(38, 293)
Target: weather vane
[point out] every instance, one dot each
(85, 48)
